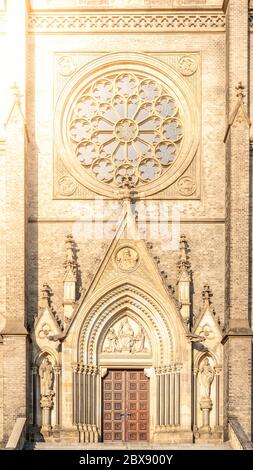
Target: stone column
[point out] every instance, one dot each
(157, 376)
(74, 393)
(172, 398)
(162, 397)
(57, 371)
(167, 399)
(46, 403)
(195, 398)
(217, 396)
(237, 339)
(177, 395)
(34, 394)
(168, 395)
(80, 395)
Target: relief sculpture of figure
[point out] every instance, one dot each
(207, 376)
(139, 341)
(46, 373)
(127, 258)
(111, 341)
(126, 336)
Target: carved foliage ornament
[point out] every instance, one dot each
(41, 22)
(187, 65)
(125, 125)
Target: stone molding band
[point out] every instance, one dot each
(127, 22)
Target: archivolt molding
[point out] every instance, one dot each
(151, 68)
(109, 315)
(124, 22)
(122, 298)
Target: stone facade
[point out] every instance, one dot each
(125, 237)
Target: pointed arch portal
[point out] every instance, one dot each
(128, 333)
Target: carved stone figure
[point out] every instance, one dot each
(127, 258)
(139, 341)
(125, 336)
(111, 341)
(46, 373)
(207, 376)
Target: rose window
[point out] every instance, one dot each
(126, 126)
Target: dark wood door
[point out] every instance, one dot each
(125, 406)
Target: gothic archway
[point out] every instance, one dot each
(164, 356)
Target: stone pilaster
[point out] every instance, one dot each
(14, 332)
(238, 335)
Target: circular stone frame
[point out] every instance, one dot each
(152, 68)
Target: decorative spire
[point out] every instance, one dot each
(16, 92)
(70, 264)
(45, 296)
(239, 116)
(206, 298)
(239, 88)
(184, 280)
(183, 264)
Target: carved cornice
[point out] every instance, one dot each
(124, 22)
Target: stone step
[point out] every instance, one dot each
(122, 446)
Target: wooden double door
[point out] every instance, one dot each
(125, 406)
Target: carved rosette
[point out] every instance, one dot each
(186, 186)
(187, 65)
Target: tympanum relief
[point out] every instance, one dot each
(126, 336)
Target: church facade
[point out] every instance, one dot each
(126, 246)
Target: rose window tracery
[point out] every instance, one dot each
(126, 126)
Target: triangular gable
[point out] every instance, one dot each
(126, 260)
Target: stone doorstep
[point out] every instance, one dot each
(129, 446)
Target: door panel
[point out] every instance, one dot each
(125, 406)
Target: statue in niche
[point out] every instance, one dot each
(125, 336)
(111, 341)
(139, 341)
(207, 376)
(46, 373)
